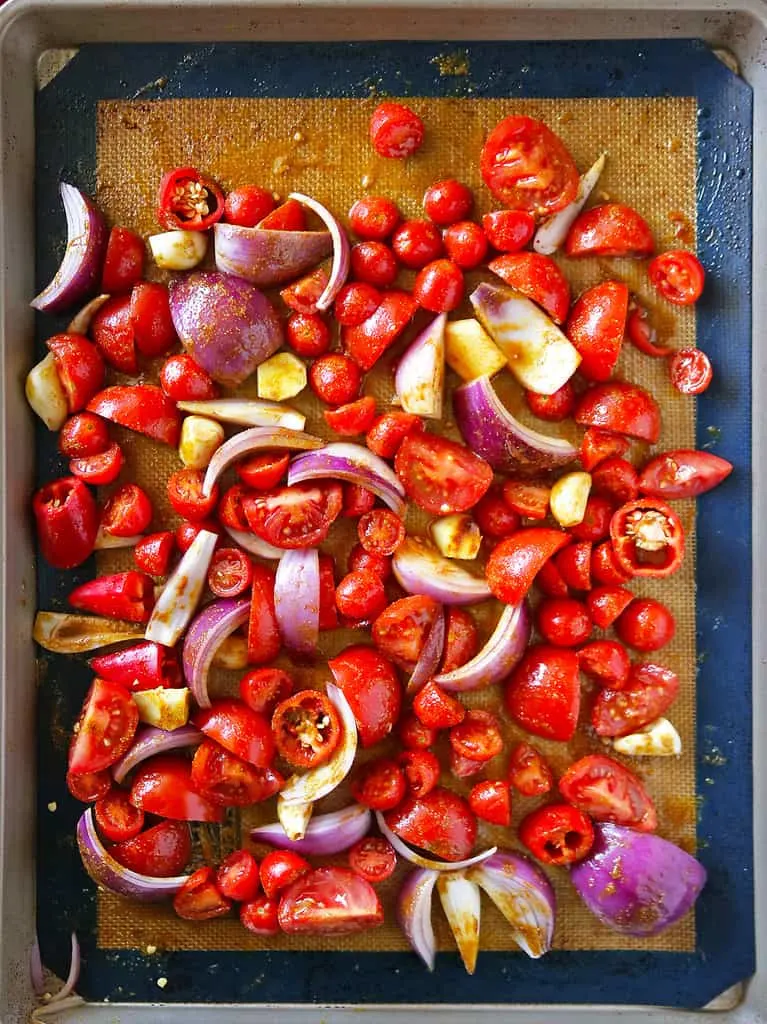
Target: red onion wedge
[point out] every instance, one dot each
(317, 783)
(150, 741)
(214, 624)
(36, 968)
(339, 270)
(80, 269)
(420, 376)
(414, 913)
(254, 545)
(247, 412)
(297, 600)
(181, 594)
(268, 258)
(427, 862)
(637, 883)
(81, 321)
(253, 440)
(105, 870)
(490, 430)
(294, 818)
(460, 901)
(64, 633)
(497, 658)
(325, 834)
(552, 233)
(523, 895)
(343, 460)
(430, 656)
(420, 569)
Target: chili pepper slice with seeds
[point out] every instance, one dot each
(647, 538)
(188, 200)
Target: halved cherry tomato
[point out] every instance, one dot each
(116, 817)
(439, 286)
(288, 216)
(329, 900)
(105, 728)
(647, 538)
(198, 899)
(605, 790)
(574, 565)
(515, 562)
(563, 621)
(298, 516)
(80, 368)
(557, 834)
(373, 263)
(230, 572)
(604, 565)
(237, 876)
(441, 822)
(553, 408)
(280, 868)
(528, 772)
(390, 430)
(367, 342)
(527, 499)
(598, 445)
(127, 512)
(259, 916)
(648, 692)
(83, 434)
(188, 200)
(184, 381)
(230, 510)
(306, 729)
(186, 533)
(101, 469)
(395, 130)
(691, 371)
(153, 328)
(413, 734)
(373, 858)
(646, 625)
(605, 661)
(89, 786)
(379, 785)
(186, 497)
(66, 519)
(356, 302)
(491, 801)
(437, 709)
(596, 519)
(611, 229)
(421, 769)
(123, 261)
(477, 736)
(308, 334)
(683, 473)
(374, 217)
(248, 205)
(463, 767)
(678, 275)
(527, 167)
(550, 580)
(264, 640)
(439, 475)
(369, 682)
(606, 603)
(493, 515)
(361, 596)
(121, 595)
(163, 785)
(461, 639)
(359, 558)
(543, 693)
(263, 471)
(596, 326)
(353, 418)
(302, 296)
(416, 243)
(642, 334)
(380, 531)
(239, 729)
(615, 478)
(539, 278)
(263, 689)
(114, 334)
(508, 230)
(225, 780)
(141, 407)
(160, 852)
(447, 201)
(622, 408)
(328, 618)
(142, 666)
(153, 553)
(465, 243)
(357, 501)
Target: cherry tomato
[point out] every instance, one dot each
(247, 205)
(606, 603)
(361, 559)
(641, 333)
(439, 286)
(605, 790)
(123, 261)
(441, 822)
(437, 709)
(439, 475)
(66, 520)
(184, 381)
(188, 200)
(143, 666)
(528, 772)
(355, 303)
(678, 276)
(527, 499)
(357, 501)
(303, 295)
(615, 478)
(120, 595)
(549, 580)
(226, 780)
(307, 334)
(508, 230)
(691, 371)
(237, 876)
(373, 263)
(373, 858)
(369, 682)
(262, 471)
(140, 407)
(101, 469)
(564, 622)
(414, 735)
(153, 328)
(598, 445)
(353, 418)
(163, 785)
(89, 786)
(306, 729)
(604, 566)
(335, 379)
(682, 473)
(116, 817)
(374, 217)
(493, 515)
(160, 852)
(557, 834)
(543, 693)
(447, 201)
(596, 520)
(527, 167)
(478, 736)
(647, 538)
(515, 562)
(465, 244)
(396, 131)
(622, 408)
(379, 785)
(263, 689)
(461, 640)
(380, 531)
(611, 229)
(230, 572)
(279, 869)
(596, 326)
(187, 532)
(259, 916)
(421, 769)
(288, 216)
(127, 512)
(553, 408)
(264, 640)
(464, 767)
(230, 510)
(646, 625)
(539, 278)
(368, 341)
(606, 662)
(238, 729)
(114, 335)
(416, 243)
(401, 630)
(82, 435)
(329, 900)
(574, 565)
(361, 595)
(198, 899)
(185, 494)
(390, 430)
(298, 516)
(79, 366)
(491, 801)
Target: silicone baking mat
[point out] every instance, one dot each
(280, 129)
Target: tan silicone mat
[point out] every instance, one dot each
(320, 147)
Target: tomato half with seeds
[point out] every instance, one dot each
(477, 736)
(543, 693)
(691, 371)
(647, 538)
(237, 876)
(101, 469)
(299, 516)
(306, 729)
(539, 278)
(491, 801)
(263, 689)
(330, 901)
(105, 728)
(678, 275)
(395, 130)
(369, 682)
(557, 834)
(373, 858)
(526, 498)
(198, 899)
(683, 473)
(239, 729)
(612, 229)
(596, 326)
(259, 916)
(529, 773)
(381, 531)
(161, 851)
(648, 692)
(439, 475)
(227, 781)
(116, 817)
(163, 785)
(441, 822)
(622, 408)
(79, 366)
(401, 630)
(230, 572)
(89, 786)
(598, 445)
(607, 791)
(516, 561)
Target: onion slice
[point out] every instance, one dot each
(254, 545)
(253, 440)
(294, 818)
(460, 901)
(36, 969)
(552, 233)
(420, 376)
(430, 656)
(214, 624)
(107, 541)
(339, 270)
(420, 569)
(325, 834)
(317, 783)
(343, 460)
(181, 594)
(523, 895)
(426, 862)
(265, 257)
(63, 633)
(79, 271)
(497, 658)
(297, 600)
(414, 913)
(150, 741)
(246, 412)
(81, 322)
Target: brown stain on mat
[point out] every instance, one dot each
(320, 147)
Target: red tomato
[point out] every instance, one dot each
(416, 243)
(564, 622)
(373, 858)
(123, 261)
(89, 786)
(380, 531)
(307, 334)
(461, 640)
(373, 263)
(437, 709)
(421, 769)
(263, 471)
(357, 501)
(237, 876)
(414, 735)
(596, 521)
(306, 729)
(527, 499)
(355, 303)
(361, 559)
(543, 693)
(439, 475)
(649, 691)
(374, 217)
(478, 736)
(465, 244)
(539, 278)
(187, 532)
(361, 595)
(116, 817)
(153, 328)
(226, 780)
(186, 496)
(79, 366)
(198, 899)
(127, 512)
(596, 326)
(239, 729)
(691, 371)
(678, 276)
(303, 295)
(493, 515)
(230, 572)
(554, 408)
(574, 565)
(163, 786)
(329, 900)
(682, 473)
(264, 640)
(83, 434)
(622, 408)
(188, 200)
(604, 789)
(447, 201)
(439, 286)
(615, 478)
(99, 470)
(184, 381)
(66, 520)
(606, 662)
(370, 684)
(335, 379)
(611, 229)
(464, 767)
(263, 689)
(527, 167)
(140, 407)
(557, 834)
(598, 445)
(528, 772)
(353, 418)
(604, 566)
(509, 230)
(549, 580)
(641, 333)
(160, 852)
(367, 342)
(647, 538)
(142, 666)
(121, 595)
(606, 603)
(281, 868)
(390, 430)
(646, 625)
(247, 205)
(114, 334)
(379, 785)
(294, 517)
(230, 510)
(515, 562)
(441, 822)
(491, 801)
(259, 916)
(395, 130)
(289, 216)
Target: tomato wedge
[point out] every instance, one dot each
(294, 517)
(264, 640)
(649, 691)
(163, 785)
(221, 778)
(329, 901)
(441, 822)
(683, 473)
(369, 682)
(607, 791)
(516, 561)
(596, 327)
(160, 852)
(621, 408)
(612, 229)
(105, 729)
(239, 729)
(543, 693)
(539, 278)
(439, 475)
(400, 632)
(140, 407)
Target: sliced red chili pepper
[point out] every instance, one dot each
(647, 538)
(188, 200)
(123, 595)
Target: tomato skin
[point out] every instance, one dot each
(439, 475)
(262, 689)
(230, 572)
(550, 581)
(127, 512)
(367, 342)
(604, 566)
(116, 817)
(447, 201)
(264, 640)
(563, 622)
(461, 639)
(678, 276)
(227, 781)
(379, 785)
(163, 785)
(142, 666)
(328, 618)
(329, 900)
(80, 368)
(421, 769)
(464, 767)
(374, 217)
(121, 595)
(477, 736)
(390, 430)
(178, 196)
(66, 520)
(557, 834)
(516, 561)
(101, 469)
(646, 625)
(539, 278)
(113, 332)
(437, 709)
(491, 801)
(361, 595)
(527, 499)
(641, 333)
(606, 603)
(239, 729)
(439, 286)
(441, 822)
(413, 734)
(335, 379)
(616, 479)
(184, 381)
(416, 243)
(247, 205)
(288, 216)
(636, 530)
(465, 244)
(83, 434)
(683, 473)
(598, 445)
(691, 371)
(371, 686)
(198, 899)
(353, 418)
(508, 230)
(297, 516)
(230, 510)
(161, 851)
(123, 261)
(607, 791)
(552, 408)
(357, 501)
(89, 786)
(395, 131)
(611, 229)
(140, 407)
(606, 662)
(186, 532)
(237, 876)
(596, 326)
(622, 408)
(153, 328)
(528, 772)
(574, 565)
(596, 520)
(649, 691)
(527, 167)
(259, 916)
(373, 263)
(373, 858)
(493, 515)
(307, 334)
(543, 693)
(279, 869)
(356, 302)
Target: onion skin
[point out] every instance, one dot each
(430, 656)
(460, 901)
(414, 913)
(420, 569)
(325, 834)
(524, 896)
(150, 741)
(343, 460)
(267, 258)
(213, 624)
(224, 323)
(297, 600)
(637, 883)
(498, 657)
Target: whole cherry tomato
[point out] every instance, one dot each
(184, 381)
(306, 729)
(439, 286)
(493, 515)
(239, 729)
(602, 788)
(116, 817)
(353, 418)
(390, 430)
(198, 899)
(606, 662)
(596, 520)
(515, 562)
(440, 475)
(123, 261)
(477, 736)
(379, 785)
(263, 689)
(359, 558)
(465, 244)
(374, 217)
(396, 131)
(647, 538)
(416, 243)
(369, 682)
(153, 329)
(82, 435)
(678, 275)
(381, 531)
(373, 858)
(79, 366)
(89, 786)
(616, 479)
(185, 494)
(491, 801)
(237, 876)
(414, 735)
(367, 342)
(335, 379)
(564, 622)
(280, 868)
(162, 785)
(611, 229)
(247, 205)
(421, 769)
(691, 371)
(437, 709)
(528, 772)
(543, 693)
(539, 278)
(622, 408)
(373, 263)
(161, 851)
(361, 595)
(554, 408)
(447, 201)
(508, 230)
(308, 334)
(682, 473)
(355, 303)
(441, 822)
(127, 512)
(646, 625)
(596, 326)
(574, 565)
(461, 640)
(188, 200)
(557, 834)
(67, 521)
(105, 730)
